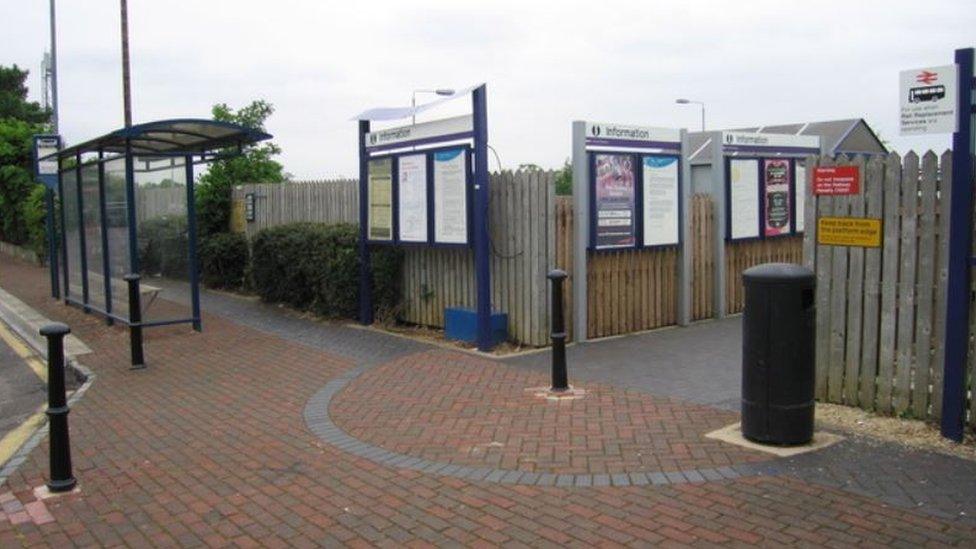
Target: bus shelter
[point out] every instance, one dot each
(127, 217)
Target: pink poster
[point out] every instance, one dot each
(776, 195)
(615, 201)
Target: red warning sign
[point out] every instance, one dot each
(836, 180)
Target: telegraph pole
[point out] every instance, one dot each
(126, 89)
(54, 72)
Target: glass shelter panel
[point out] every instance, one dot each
(117, 226)
(93, 235)
(163, 237)
(72, 238)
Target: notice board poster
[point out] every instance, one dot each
(801, 195)
(412, 198)
(379, 191)
(660, 200)
(615, 201)
(776, 197)
(743, 199)
(450, 197)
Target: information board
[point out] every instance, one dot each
(412, 198)
(743, 198)
(776, 197)
(379, 189)
(801, 195)
(614, 201)
(450, 197)
(660, 200)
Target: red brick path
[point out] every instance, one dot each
(208, 447)
(447, 407)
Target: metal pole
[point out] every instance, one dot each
(135, 322)
(126, 89)
(191, 229)
(960, 227)
(685, 272)
(64, 239)
(106, 255)
(54, 70)
(482, 259)
(719, 186)
(82, 240)
(560, 378)
(703, 116)
(365, 270)
(62, 479)
(52, 244)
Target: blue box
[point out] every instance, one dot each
(461, 324)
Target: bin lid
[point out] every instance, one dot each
(776, 273)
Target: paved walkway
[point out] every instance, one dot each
(275, 430)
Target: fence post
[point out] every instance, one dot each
(135, 322)
(57, 409)
(560, 378)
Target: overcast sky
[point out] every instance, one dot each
(546, 64)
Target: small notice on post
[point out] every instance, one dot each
(863, 232)
(836, 180)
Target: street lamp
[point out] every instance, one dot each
(439, 91)
(688, 101)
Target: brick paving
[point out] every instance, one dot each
(209, 447)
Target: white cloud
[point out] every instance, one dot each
(546, 64)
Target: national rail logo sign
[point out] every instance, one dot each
(928, 100)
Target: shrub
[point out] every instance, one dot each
(223, 260)
(316, 267)
(163, 246)
(35, 216)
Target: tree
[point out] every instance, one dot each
(19, 121)
(255, 164)
(13, 98)
(564, 180)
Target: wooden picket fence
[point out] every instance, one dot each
(742, 255)
(702, 257)
(881, 311)
(627, 290)
(331, 201)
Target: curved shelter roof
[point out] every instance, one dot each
(170, 137)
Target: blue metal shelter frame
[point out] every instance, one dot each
(190, 141)
(475, 144)
(960, 239)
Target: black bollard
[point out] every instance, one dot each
(135, 322)
(560, 379)
(57, 409)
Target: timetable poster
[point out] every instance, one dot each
(412, 198)
(450, 197)
(776, 193)
(379, 188)
(801, 195)
(660, 200)
(615, 201)
(743, 199)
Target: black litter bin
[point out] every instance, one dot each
(778, 332)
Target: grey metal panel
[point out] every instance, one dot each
(581, 221)
(684, 257)
(718, 199)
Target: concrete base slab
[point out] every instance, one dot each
(27, 323)
(42, 492)
(547, 393)
(732, 434)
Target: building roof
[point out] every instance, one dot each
(169, 137)
(851, 135)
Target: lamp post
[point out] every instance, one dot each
(439, 91)
(688, 101)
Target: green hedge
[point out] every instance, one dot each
(223, 260)
(316, 267)
(163, 246)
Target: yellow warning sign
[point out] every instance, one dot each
(849, 231)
